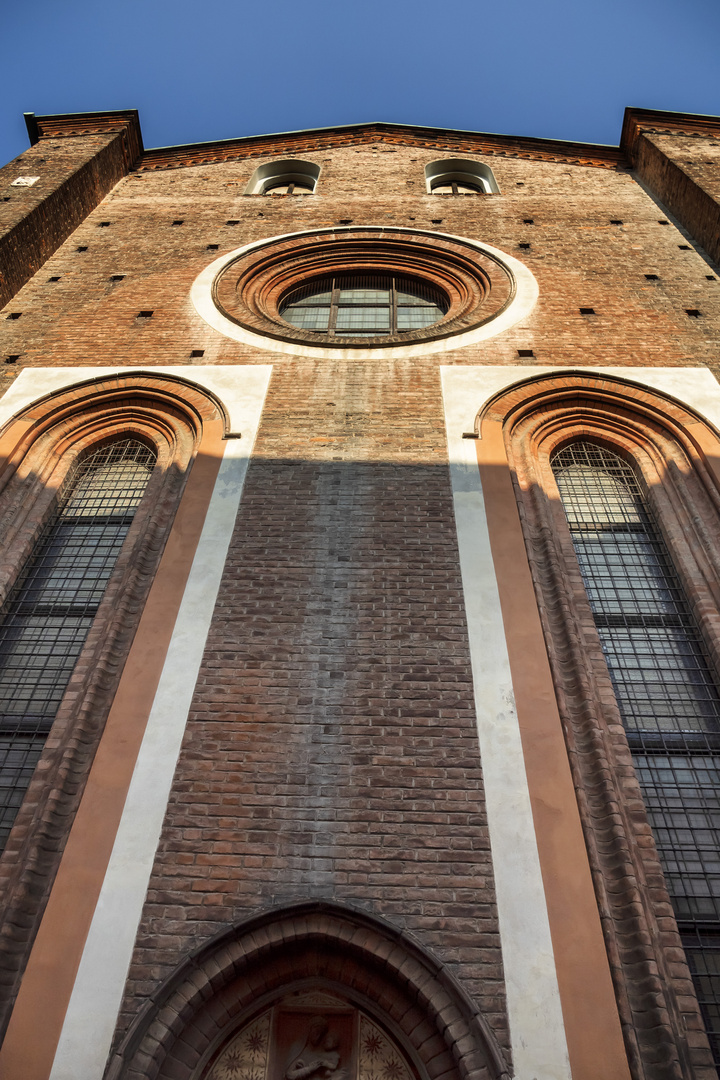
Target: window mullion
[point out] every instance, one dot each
(334, 303)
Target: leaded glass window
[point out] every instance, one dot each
(357, 305)
(48, 613)
(665, 688)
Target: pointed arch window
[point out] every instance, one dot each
(665, 687)
(48, 613)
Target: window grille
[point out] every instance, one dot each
(49, 611)
(363, 305)
(665, 690)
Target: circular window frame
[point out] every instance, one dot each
(489, 291)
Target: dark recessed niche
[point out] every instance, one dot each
(345, 221)
(81, 249)
(144, 314)
(615, 221)
(53, 279)
(103, 224)
(436, 221)
(652, 277)
(117, 277)
(233, 222)
(195, 353)
(684, 247)
(710, 277)
(528, 221)
(212, 247)
(693, 312)
(14, 314)
(180, 222)
(587, 311)
(525, 352)
(520, 183)
(525, 246)
(13, 359)
(663, 222)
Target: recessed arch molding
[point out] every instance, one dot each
(386, 972)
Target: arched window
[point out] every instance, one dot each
(289, 177)
(460, 176)
(665, 688)
(48, 614)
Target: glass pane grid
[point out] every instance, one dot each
(47, 616)
(702, 949)
(665, 691)
(363, 305)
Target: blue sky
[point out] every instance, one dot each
(212, 69)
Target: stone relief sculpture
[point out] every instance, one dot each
(319, 1058)
(342, 1043)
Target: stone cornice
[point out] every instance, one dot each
(639, 121)
(441, 140)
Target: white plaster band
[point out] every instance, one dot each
(225, 382)
(524, 300)
(92, 1013)
(694, 387)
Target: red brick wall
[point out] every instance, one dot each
(331, 750)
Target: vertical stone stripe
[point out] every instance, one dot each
(537, 1031)
(97, 993)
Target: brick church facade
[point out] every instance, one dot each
(360, 640)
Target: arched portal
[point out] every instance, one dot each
(254, 1000)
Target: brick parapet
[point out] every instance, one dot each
(75, 170)
(677, 155)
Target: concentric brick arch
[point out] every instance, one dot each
(542, 406)
(382, 970)
(159, 404)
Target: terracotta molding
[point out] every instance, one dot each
(638, 121)
(592, 1025)
(304, 142)
(75, 125)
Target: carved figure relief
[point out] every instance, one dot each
(310, 1037)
